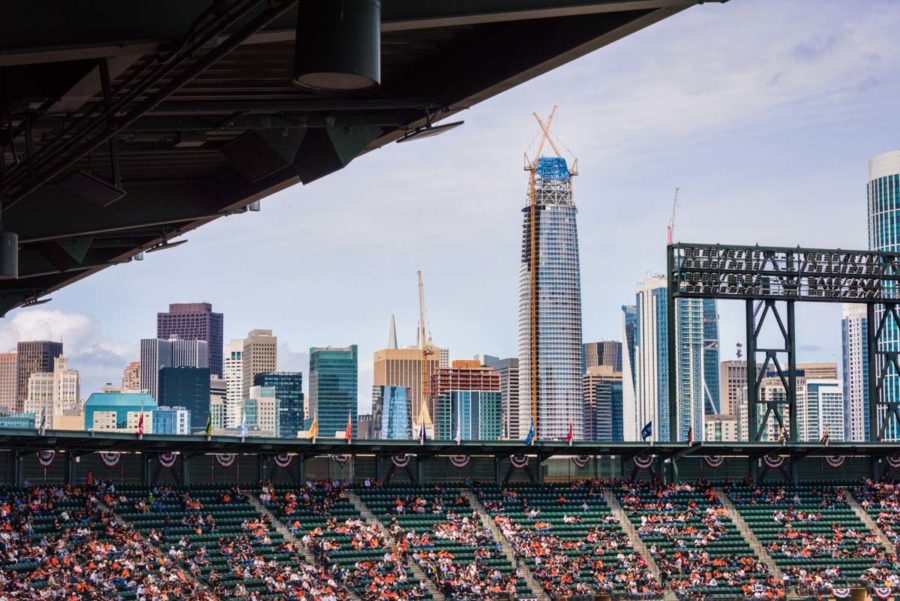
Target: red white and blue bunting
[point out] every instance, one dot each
(644, 461)
(715, 461)
(841, 593)
(45, 458)
(459, 461)
(882, 593)
(893, 461)
(283, 460)
(773, 462)
(401, 460)
(341, 460)
(835, 461)
(518, 461)
(226, 459)
(167, 460)
(581, 461)
(110, 459)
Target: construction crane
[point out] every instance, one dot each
(424, 416)
(670, 231)
(531, 165)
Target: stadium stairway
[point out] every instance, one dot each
(536, 589)
(636, 543)
(866, 519)
(748, 535)
(284, 531)
(371, 518)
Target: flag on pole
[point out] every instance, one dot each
(458, 438)
(570, 435)
(348, 431)
(825, 436)
(313, 429)
(140, 425)
(422, 434)
(529, 438)
(42, 429)
(243, 425)
(690, 434)
(209, 426)
(647, 431)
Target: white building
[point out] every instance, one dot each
(233, 368)
(52, 394)
(820, 410)
(855, 355)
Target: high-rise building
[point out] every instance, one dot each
(391, 413)
(467, 397)
(697, 360)
(855, 355)
(630, 428)
(819, 371)
(333, 388)
(732, 385)
(53, 394)
(131, 377)
(261, 411)
(883, 191)
(217, 413)
(172, 420)
(288, 387)
(259, 356)
(605, 352)
(508, 370)
(403, 368)
(186, 387)
(364, 426)
(33, 356)
(556, 306)
(233, 366)
(820, 410)
(8, 382)
(721, 428)
(603, 404)
(157, 354)
(194, 321)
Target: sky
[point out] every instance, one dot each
(764, 113)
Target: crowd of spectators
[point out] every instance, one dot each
(883, 500)
(690, 527)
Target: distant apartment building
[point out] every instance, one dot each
(157, 354)
(8, 381)
(466, 398)
(261, 412)
(721, 428)
(194, 321)
(131, 377)
(602, 387)
(821, 410)
(819, 371)
(605, 352)
(233, 368)
(630, 429)
(289, 392)
(186, 387)
(855, 364)
(391, 413)
(33, 356)
(508, 370)
(333, 388)
(53, 394)
(258, 356)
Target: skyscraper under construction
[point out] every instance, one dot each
(550, 351)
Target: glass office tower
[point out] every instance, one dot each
(333, 388)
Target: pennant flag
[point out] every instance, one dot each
(647, 432)
(140, 425)
(529, 438)
(458, 438)
(690, 434)
(208, 426)
(348, 431)
(825, 436)
(422, 434)
(570, 435)
(243, 425)
(313, 429)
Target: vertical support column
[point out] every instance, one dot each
(672, 350)
(261, 465)
(69, 476)
(754, 470)
(185, 470)
(420, 470)
(497, 479)
(15, 467)
(872, 381)
(145, 470)
(301, 470)
(791, 346)
(752, 390)
(379, 469)
(539, 467)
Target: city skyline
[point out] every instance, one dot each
(811, 87)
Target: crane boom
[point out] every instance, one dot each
(424, 416)
(670, 230)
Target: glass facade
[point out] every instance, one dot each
(855, 360)
(333, 388)
(288, 387)
(559, 353)
(477, 412)
(186, 387)
(883, 193)
(391, 413)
